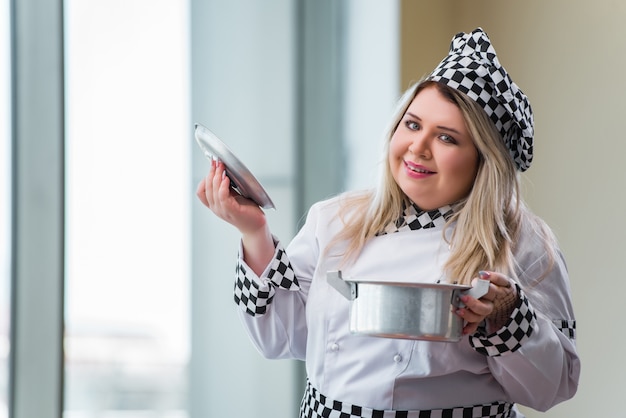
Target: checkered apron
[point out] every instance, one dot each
(316, 405)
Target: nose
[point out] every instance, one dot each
(420, 146)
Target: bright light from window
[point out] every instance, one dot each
(128, 138)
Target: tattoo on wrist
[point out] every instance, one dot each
(503, 308)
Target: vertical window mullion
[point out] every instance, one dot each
(37, 218)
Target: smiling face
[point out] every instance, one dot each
(431, 154)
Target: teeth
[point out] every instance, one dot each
(418, 170)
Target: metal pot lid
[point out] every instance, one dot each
(241, 179)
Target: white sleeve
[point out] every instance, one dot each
(273, 304)
(534, 356)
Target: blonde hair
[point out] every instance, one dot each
(486, 223)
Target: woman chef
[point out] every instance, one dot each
(447, 209)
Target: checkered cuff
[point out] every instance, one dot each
(254, 295)
(511, 336)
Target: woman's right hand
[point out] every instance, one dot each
(215, 193)
(244, 214)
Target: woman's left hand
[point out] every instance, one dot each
(496, 305)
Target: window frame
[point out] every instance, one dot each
(37, 190)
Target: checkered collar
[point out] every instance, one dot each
(413, 218)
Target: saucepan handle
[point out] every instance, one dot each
(480, 289)
(347, 289)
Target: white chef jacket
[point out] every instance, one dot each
(311, 323)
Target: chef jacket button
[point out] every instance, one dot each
(397, 358)
(334, 347)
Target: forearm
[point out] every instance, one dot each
(504, 305)
(534, 361)
(543, 372)
(272, 306)
(258, 249)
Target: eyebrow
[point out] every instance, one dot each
(439, 126)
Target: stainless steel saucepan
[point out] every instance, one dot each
(415, 311)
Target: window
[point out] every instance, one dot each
(127, 244)
(129, 184)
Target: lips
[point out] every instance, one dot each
(416, 168)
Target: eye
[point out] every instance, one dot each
(414, 126)
(447, 139)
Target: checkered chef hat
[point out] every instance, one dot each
(472, 67)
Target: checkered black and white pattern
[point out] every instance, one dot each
(472, 67)
(567, 327)
(316, 405)
(414, 218)
(511, 337)
(254, 298)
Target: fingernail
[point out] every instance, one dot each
(483, 274)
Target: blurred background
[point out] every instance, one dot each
(116, 284)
